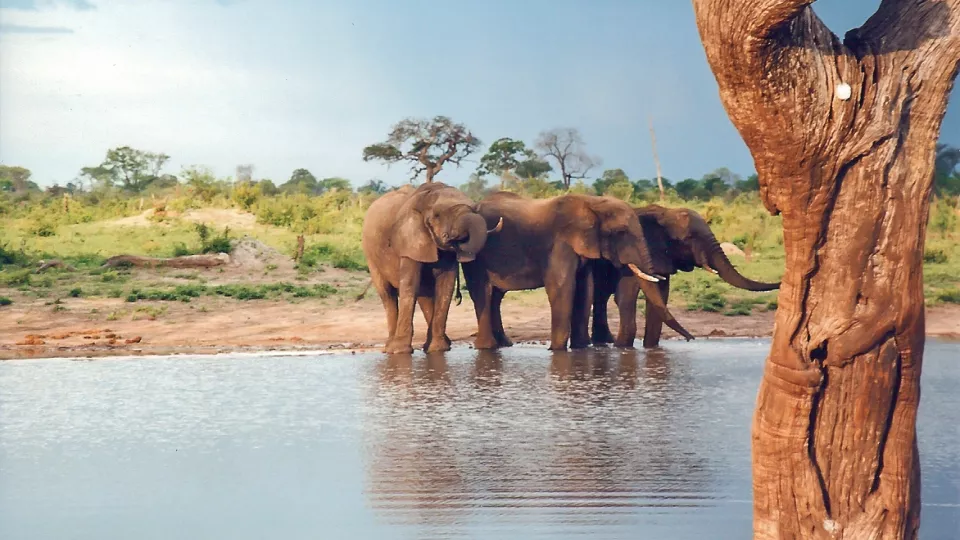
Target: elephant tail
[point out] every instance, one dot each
(364, 291)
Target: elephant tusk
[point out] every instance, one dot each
(707, 267)
(497, 228)
(640, 274)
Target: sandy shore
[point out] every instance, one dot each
(111, 327)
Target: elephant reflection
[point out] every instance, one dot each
(498, 439)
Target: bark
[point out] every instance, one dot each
(186, 261)
(834, 432)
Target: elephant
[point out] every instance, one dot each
(413, 239)
(549, 243)
(679, 240)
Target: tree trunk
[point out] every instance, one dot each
(834, 432)
(186, 261)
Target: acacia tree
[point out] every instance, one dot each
(507, 155)
(843, 134)
(428, 144)
(133, 170)
(566, 147)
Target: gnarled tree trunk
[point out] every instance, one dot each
(834, 433)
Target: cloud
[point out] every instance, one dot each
(36, 5)
(23, 29)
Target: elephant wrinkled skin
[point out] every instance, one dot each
(549, 243)
(679, 239)
(413, 239)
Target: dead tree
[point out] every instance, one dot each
(843, 134)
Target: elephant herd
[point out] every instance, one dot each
(581, 248)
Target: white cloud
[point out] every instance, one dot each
(202, 82)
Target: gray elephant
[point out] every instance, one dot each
(679, 240)
(549, 243)
(413, 239)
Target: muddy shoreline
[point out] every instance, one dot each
(91, 327)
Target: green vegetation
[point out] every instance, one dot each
(128, 205)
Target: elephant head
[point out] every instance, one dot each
(439, 217)
(680, 239)
(607, 228)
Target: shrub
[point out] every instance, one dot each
(951, 296)
(708, 300)
(935, 256)
(4, 301)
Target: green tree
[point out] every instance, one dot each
(752, 183)
(427, 144)
(506, 156)
(301, 181)
(16, 179)
(131, 169)
(475, 187)
(689, 189)
(374, 187)
(330, 184)
(609, 178)
(533, 168)
(714, 185)
(946, 179)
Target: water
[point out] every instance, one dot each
(521, 444)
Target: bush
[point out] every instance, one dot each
(11, 257)
(709, 300)
(935, 256)
(15, 278)
(76, 292)
(345, 258)
(951, 296)
(4, 301)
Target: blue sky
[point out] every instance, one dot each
(285, 84)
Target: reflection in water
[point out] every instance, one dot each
(511, 444)
(595, 436)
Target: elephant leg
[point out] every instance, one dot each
(401, 342)
(499, 334)
(388, 296)
(481, 292)
(582, 301)
(444, 283)
(653, 322)
(628, 289)
(560, 282)
(601, 297)
(426, 304)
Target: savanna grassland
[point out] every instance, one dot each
(263, 298)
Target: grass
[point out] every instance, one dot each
(183, 293)
(84, 233)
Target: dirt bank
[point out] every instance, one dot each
(110, 327)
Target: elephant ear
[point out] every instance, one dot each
(577, 226)
(410, 237)
(669, 249)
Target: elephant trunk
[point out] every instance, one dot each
(476, 227)
(718, 260)
(651, 293)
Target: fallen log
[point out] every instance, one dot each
(186, 261)
(53, 263)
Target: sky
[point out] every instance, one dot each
(284, 84)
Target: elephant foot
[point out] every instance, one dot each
(602, 337)
(398, 346)
(504, 341)
(485, 343)
(437, 345)
(579, 343)
(557, 346)
(623, 344)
